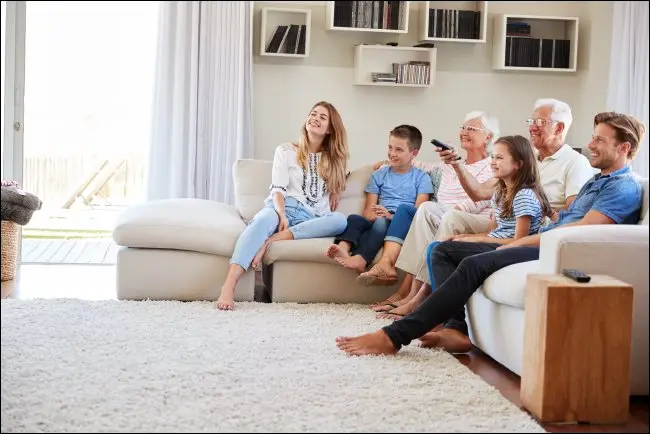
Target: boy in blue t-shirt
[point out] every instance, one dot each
(391, 186)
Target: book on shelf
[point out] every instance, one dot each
(454, 24)
(288, 39)
(373, 14)
(414, 72)
(537, 53)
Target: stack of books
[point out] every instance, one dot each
(383, 77)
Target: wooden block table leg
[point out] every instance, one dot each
(577, 343)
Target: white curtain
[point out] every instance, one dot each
(202, 114)
(628, 72)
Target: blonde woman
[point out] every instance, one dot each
(307, 179)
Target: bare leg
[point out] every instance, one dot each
(450, 340)
(340, 250)
(226, 298)
(369, 344)
(385, 268)
(278, 236)
(409, 306)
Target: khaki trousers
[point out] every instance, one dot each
(433, 222)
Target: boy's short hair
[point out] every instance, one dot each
(410, 133)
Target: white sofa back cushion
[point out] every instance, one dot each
(252, 179)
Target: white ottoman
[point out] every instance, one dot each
(178, 249)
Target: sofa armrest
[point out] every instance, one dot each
(197, 225)
(618, 250)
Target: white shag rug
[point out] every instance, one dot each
(88, 366)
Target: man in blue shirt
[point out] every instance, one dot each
(614, 196)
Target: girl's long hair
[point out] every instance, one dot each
(526, 177)
(333, 166)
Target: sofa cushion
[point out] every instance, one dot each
(309, 250)
(252, 179)
(353, 199)
(183, 224)
(508, 285)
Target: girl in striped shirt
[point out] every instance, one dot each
(519, 202)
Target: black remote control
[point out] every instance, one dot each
(576, 275)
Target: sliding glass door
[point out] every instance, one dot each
(88, 86)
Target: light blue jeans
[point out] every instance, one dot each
(302, 224)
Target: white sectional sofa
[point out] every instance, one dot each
(179, 249)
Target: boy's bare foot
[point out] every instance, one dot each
(356, 262)
(450, 340)
(369, 344)
(335, 251)
(380, 271)
(226, 300)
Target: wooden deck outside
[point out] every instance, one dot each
(101, 251)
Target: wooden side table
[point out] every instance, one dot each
(577, 343)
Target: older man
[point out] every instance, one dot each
(563, 172)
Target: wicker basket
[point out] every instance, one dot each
(9, 249)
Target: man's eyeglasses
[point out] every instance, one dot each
(471, 129)
(539, 122)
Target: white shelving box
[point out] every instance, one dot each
(456, 21)
(359, 16)
(369, 59)
(540, 50)
(274, 19)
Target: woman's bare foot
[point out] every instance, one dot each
(335, 251)
(385, 307)
(257, 260)
(380, 271)
(450, 340)
(398, 312)
(226, 299)
(369, 344)
(356, 262)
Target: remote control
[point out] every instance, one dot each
(576, 275)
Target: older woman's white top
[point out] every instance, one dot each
(306, 186)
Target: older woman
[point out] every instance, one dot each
(477, 134)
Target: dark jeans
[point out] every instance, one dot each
(459, 269)
(401, 223)
(366, 237)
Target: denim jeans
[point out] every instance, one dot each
(302, 224)
(430, 251)
(366, 237)
(401, 223)
(459, 269)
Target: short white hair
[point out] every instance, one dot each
(561, 112)
(489, 123)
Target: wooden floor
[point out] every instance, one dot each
(98, 282)
(101, 251)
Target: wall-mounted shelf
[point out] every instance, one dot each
(535, 43)
(410, 66)
(441, 21)
(285, 32)
(368, 16)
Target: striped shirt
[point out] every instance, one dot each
(525, 203)
(451, 191)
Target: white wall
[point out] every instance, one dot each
(285, 89)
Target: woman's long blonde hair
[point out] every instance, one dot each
(333, 166)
